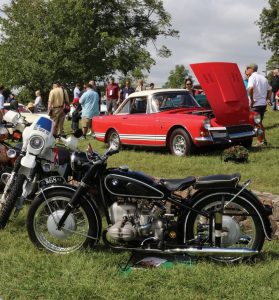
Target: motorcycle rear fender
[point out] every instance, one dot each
(28, 161)
(92, 202)
(263, 211)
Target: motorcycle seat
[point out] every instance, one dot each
(217, 181)
(178, 184)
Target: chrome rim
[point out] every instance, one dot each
(74, 232)
(114, 140)
(179, 145)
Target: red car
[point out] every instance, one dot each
(172, 118)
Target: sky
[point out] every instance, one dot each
(210, 30)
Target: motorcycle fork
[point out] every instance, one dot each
(84, 184)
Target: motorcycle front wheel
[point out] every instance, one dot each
(80, 230)
(241, 224)
(9, 202)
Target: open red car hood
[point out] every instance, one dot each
(225, 91)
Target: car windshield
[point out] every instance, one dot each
(172, 100)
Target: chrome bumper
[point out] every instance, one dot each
(228, 138)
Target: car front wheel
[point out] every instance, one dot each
(180, 143)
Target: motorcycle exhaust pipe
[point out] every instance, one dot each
(205, 251)
(208, 251)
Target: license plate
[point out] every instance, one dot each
(217, 134)
(51, 180)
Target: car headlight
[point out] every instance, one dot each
(206, 124)
(37, 142)
(257, 118)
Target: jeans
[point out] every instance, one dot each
(274, 101)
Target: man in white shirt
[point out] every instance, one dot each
(259, 93)
(77, 91)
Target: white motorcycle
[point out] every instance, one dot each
(38, 160)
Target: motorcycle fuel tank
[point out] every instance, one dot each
(127, 183)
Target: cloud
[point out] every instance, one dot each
(211, 30)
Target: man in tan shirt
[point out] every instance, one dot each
(57, 97)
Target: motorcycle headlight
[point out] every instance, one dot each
(37, 142)
(77, 160)
(257, 118)
(206, 124)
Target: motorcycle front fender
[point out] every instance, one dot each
(28, 161)
(263, 211)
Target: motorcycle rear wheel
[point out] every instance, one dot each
(10, 200)
(80, 230)
(242, 230)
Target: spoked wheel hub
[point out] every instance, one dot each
(68, 228)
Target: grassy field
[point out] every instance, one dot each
(27, 273)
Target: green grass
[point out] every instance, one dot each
(27, 273)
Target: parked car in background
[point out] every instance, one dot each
(173, 119)
(25, 112)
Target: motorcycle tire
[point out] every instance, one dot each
(244, 229)
(81, 229)
(4, 170)
(7, 207)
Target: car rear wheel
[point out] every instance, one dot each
(114, 140)
(180, 143)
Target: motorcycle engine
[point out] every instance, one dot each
(135, 221)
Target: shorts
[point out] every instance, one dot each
(111, 104)
(261, 109)
(86, 122)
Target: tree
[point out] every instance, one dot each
(269, 29)
(177, 77)
(76, 40)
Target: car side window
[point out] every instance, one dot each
(138, 105)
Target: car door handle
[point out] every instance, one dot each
(125, 118)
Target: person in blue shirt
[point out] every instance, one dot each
(90, 107)
(127, 90)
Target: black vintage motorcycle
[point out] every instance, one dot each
(212, 216)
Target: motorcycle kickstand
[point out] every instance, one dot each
(126, 267)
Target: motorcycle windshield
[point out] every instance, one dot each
(225, 91)
(43, 124)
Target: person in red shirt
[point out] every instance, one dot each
(112, 94)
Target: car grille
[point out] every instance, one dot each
(239, 128)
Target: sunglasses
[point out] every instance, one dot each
(188, 83)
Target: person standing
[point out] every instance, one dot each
(57, 97)
(188, 86)
(90, 107)
(97, 89)
(140, 87)
(259, 93)
(112, 92)
(38, 101)
(127, 90)
(2, 100)
(275, 87)
(77, 91)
